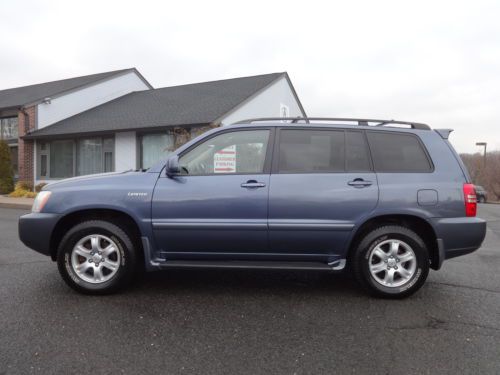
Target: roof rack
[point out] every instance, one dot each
(359, 121)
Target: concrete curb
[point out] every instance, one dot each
(15, 205)
(19, 203)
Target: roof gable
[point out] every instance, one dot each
(199, 103)
(20, 96)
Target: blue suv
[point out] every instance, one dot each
(384, 200)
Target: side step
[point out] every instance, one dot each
(242, 264)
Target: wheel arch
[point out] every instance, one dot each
(416, 223)
(115, 216)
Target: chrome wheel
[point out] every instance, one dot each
(392, 263)
(95, 258)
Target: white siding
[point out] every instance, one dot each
(268, 103)
(125, 151)
(80, 100)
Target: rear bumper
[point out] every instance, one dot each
(35, 230)
(458, 236)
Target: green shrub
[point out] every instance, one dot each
(24, 185)
(6, 172)
(23, 190)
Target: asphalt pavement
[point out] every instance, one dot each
(249, 322)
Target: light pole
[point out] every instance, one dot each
(484, 156)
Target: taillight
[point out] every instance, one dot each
(470, 200)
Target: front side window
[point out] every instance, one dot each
(303, 151)
(396, 152)
(236, 152)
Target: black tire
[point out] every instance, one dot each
(361, 261)
(481, 200)
(127, 257)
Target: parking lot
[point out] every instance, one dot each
(234, 321)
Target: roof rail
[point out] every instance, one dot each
(359, 121)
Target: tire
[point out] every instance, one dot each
(373, 266)
(96, 257)
(481, 200)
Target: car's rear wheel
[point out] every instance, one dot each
(391, 261)
(96, 257)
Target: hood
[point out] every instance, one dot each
(83, 179)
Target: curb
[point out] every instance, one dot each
(15, 205)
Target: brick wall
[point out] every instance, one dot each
(26, 148)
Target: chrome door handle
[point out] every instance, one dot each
(253, 184)
(359, 183)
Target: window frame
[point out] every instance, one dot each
(275, 163)
(419, 141)
(267, 161)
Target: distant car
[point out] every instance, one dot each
(387, 201)
(481, 194)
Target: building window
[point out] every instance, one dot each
(8, 128)
(61, 159)
(89, 156)
(14, 159)
(68, 158)
(155, 147)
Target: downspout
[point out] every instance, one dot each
(26, 131)
(26, 120)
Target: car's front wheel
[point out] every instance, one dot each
(391, 261)
(96, 257)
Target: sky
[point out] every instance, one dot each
(436, 62)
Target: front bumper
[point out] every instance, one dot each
(458, 236)
(35, 230)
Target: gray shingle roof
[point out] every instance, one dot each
(19, 96)
(199, 103)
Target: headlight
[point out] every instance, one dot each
(40, 201)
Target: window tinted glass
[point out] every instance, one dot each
(397, 153)
(311, 151)
(357, 157)
(233, 152)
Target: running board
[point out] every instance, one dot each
(242, 264)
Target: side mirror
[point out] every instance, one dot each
(172, 168)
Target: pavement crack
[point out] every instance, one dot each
(436, 323)
(465, 287)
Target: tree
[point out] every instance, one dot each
(488, 176)
(6, 173)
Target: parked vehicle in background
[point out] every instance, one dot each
(390, 199)
(482, 195)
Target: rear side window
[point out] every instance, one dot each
(357, 157)
(396, 152)
(311, 151)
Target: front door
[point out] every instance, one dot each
(322, 183)
(218, 205)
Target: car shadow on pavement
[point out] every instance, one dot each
(245, 282)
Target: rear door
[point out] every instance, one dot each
(322, 183)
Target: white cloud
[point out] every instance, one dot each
(431, 61)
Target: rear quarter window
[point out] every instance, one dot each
(397, 152)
